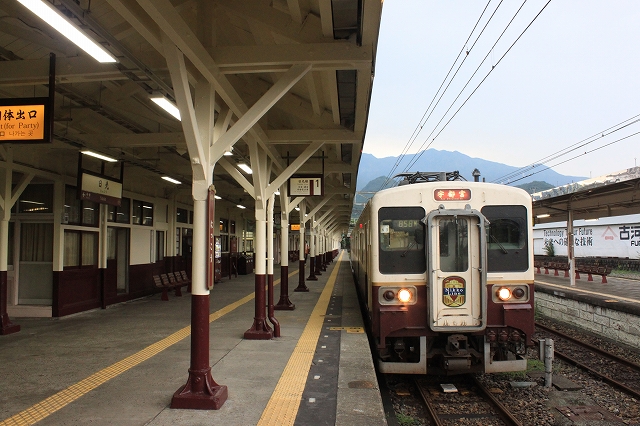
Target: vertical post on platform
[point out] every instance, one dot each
(6, 326)
(312, 251)
(270, 310)
(570, 252)
(284, 303)
(201, 392)
(302, 249)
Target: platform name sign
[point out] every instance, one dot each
(302, 186)
(25, 120)
(101, 189)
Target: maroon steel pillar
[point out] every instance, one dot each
(260, 330)
(200, 392)
(284, 304)
(312, 273)
(301, 284)
(272, 317)
(6, 326)
(318, 265)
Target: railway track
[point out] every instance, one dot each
(471, 404)
(618, 372)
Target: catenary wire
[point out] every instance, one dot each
(423, 121)
(421, 150)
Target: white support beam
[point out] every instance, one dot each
(330, 83)
(251, 117)
(78, 69)
(294, 203)
(237, 176)
(326, 17)
(175, 61)
(295, 165)
(306, 135)
(319, 206)
(19, 188)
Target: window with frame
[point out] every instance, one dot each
(80, 249)
(121, 214)
(36, 198)
(401, 240)
(224, 235)
(182, 215)
(80, 212)
(507, 238)
(142, 213)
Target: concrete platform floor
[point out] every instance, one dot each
(121, 366)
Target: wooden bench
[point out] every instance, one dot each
(592, 270)
(171, 281)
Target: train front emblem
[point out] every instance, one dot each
(453, 291)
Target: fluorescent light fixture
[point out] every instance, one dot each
(541, 216)
(228, 152)
(45, 11)
(240, 206)
(297, 209)
(217, 197)
(590, 220)
(166, 105)
(172, 180)
(245, 168)
(100, 156)
(277, 193)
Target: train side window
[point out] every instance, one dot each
(507, 238)
(401, 238)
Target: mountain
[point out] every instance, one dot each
(434, 160)
(535, 186)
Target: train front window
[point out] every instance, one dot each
(453, 237)
(401, 240)
(507, 247)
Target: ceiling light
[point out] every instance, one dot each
(245, 168)
(100, 156)
(50, 15)
(590, 220)
(541, 216)
(277, 192)
(297, 209)
(217, 197)
(172, 180)
(166, 105)
(228, 152)
(240, 206)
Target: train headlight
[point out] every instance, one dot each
(504, 294)
(518, 293)
(405, 295)
(389, 295)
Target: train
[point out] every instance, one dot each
(444, 271)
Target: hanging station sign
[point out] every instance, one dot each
(308, 185)
(100, 189)
(25, 120)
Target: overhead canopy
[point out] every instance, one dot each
(616, 194)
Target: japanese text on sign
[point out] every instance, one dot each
(22, 123)
(630, 233)
(452, 194)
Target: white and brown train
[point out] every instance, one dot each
(445, 269)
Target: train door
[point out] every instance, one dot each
(458, 276)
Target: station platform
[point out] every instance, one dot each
(621, 294)
(123, 364)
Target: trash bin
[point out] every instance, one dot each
(245, 264)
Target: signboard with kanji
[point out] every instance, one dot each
(302, 186)
(100, 189)
(452, 194)
(25, 120)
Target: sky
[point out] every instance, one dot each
(573, 74)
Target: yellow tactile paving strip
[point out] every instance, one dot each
(282, 408)
(45, 408)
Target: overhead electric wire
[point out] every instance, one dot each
(421, 151)
(423, 121)
(567, 150)
(577, 156)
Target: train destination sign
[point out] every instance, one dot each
(302, 186)
(25, 120)
(452, 194)
(100, 190)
